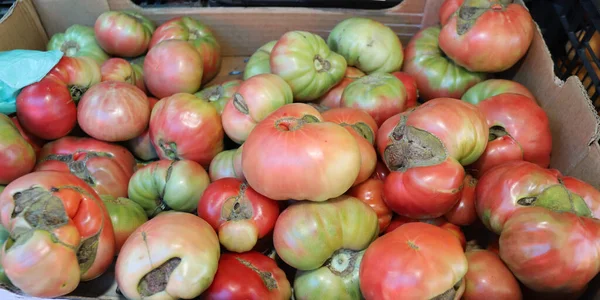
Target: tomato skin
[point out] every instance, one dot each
(123, 33)
(141, 146)
(227, 164)
(589, 193)
(371, 193)
(253, 101)
(182, 127)
(78, 41)
(259, 61)
(308, 233)
(297, 49)
(464, 212)
(381, 171)
(333, 97)
(410, 85)
(219, 94)
(126, 216)
(448, 8)
(219, 207)
(105, 167)
(236, 280)
(436, 75)
(78, 73)
(327, 157)
(488, 275)
(35, 142)
(79, 219)
(492, 87)
(405, 261)
(17, 156)
(166, 236)
(492, 40)
(118, 69)
(441, 222)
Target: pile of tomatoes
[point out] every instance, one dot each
(342, 168)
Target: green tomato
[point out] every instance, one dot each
(168, 185)
(126, 216)
(492, 87)
(336, 279)
(368, 45)
(4, 235)
(307, 64)
(259, 61)
(219, 94)
(78, 40)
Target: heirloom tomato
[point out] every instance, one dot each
(436, 75)
(254, 100)
(410, 85)
(464, 213)
(492, 87)
(332, 98)
(168, 185)
(227, 164)
(141, 146)
(78, 41)
(487, 275)
(371, 193)
(417, 261)
(306, 63)
(441, 222)
(78, 73)
(35, 142)
(426, 148)
(17, 156)
(105, 167)
(259, 61)
(367, 44)
(114, 111)
(487, 36)
(4, 236)
(589, 193)
(184, 127)
(239, 214)
(123, 33)
(173, 256)
(126, 216)
(219, 94)
(381, 171)
(294, 154)
(199, 36)
(448, 8)
(118, 69)
(58, 225)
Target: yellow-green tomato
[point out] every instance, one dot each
(306, 63)
(259, 61)
(219, 94)
(307, 234)
(78, 40)
(125, 215)
(367, 44)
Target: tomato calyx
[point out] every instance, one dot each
(70, 48)
(40, 209)
(450, 294)
(472, 245)
(559, 199)
(213, 93)
(363, 130)
(321, 64)
(293, 124)
(237, 207)
(497, 132)
(240, 104)
(77, 163)
(267, 277)
(471, 10)
(156, 280)
(169, 149)
(344, 262)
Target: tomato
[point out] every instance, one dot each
(381, 171)
(410, 85)
(126, 216)
(168, 185)
(141, 146)
(308, 233)
(293, 154)
(487, 275)
(332, 98)
(78, 41)
(78, 73)
(114, 111)
(4, 235)
(175, 255)
(464, 213)
(493, 87)
(364, 129)
(219, 94)
(35, 142)
(118, 69)
(441, 222)
(123, 33)
(382, 95)
(58, 225)
(306, 63)
(251, 276)
(367, 44)
(487, 36)
(172, 67)
(254, 100)
(426, 148)
(589, 193)
(436, 75)
(371, 193)
(417, 261)
(182, 127)
(448, 8)
(551, 251)
(512, 186)
(227, 164)
(199, 36)
(105, 167)
(239, 214)
(17, 157)
(259, 61)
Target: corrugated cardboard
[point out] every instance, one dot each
(241, 31)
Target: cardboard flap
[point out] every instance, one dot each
(21, 28)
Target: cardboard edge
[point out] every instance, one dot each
(22, 28)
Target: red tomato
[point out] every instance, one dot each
(371, 193)
(114, 111)
(58, 225)
(172, 67)
(293, 154)
(410, 84)
(417, 261)
(182, 127)
(251, 276)
(398, 221)
(488, 275)
(487, 36)
(589, 193)
(17, 156)
(381, 171)
(105, 167)
(78, 73)
(35, 142)
(448, 8)
(123, 33)
(118, 69)
(364, 129)
(464, 213)
(239, 214)
(332, 98)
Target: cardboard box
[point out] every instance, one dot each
(574, 122)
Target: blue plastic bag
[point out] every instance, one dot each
(20, 68)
